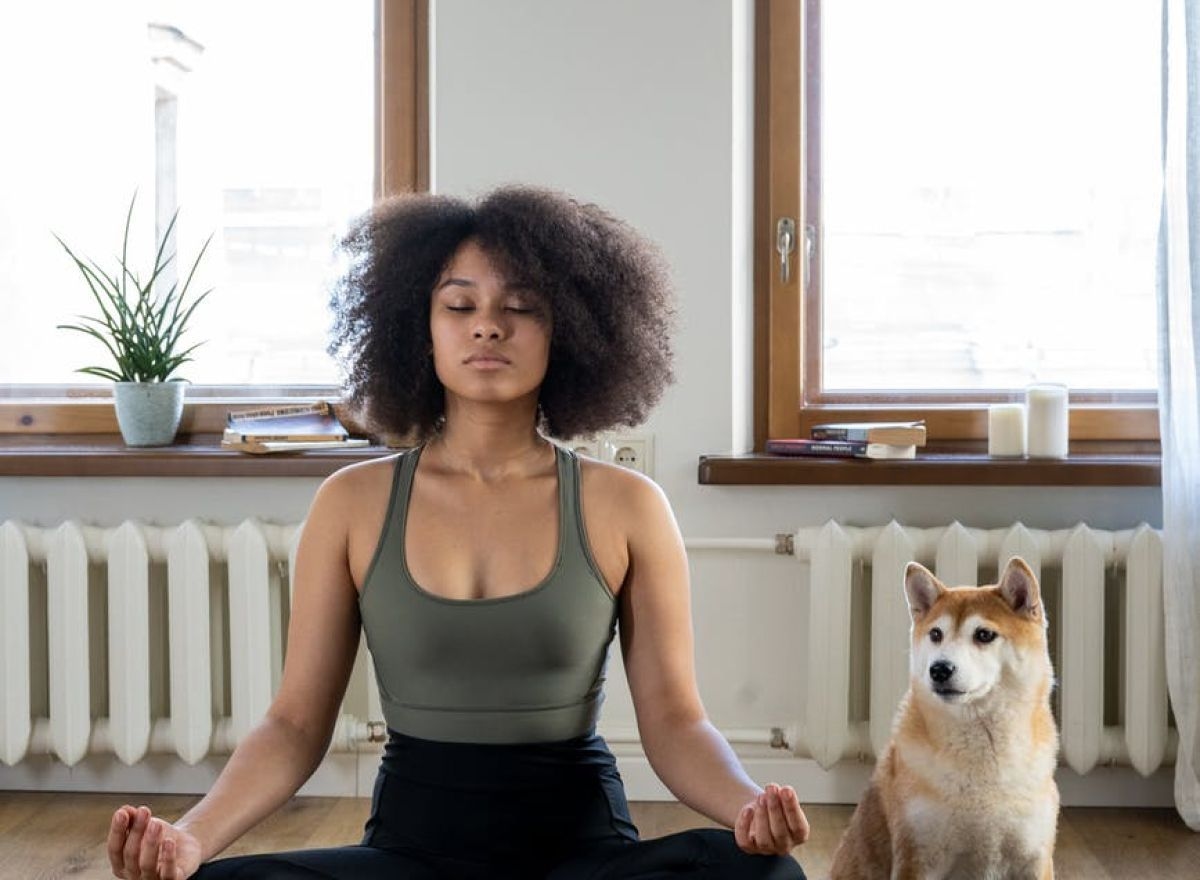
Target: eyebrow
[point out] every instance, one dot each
(467, 282)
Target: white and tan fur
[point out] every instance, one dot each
(965, 788)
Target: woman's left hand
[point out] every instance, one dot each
(773, 823)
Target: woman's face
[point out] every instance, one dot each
(491, 340)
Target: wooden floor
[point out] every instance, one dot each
(62, 835)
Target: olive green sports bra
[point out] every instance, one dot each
(515, 669)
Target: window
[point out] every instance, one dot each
(975, 194)
(270, 125)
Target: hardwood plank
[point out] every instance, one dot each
(1131, 843)
(52, 835)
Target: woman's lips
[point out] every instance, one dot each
(487, 362)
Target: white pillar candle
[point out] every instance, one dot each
(1046, 419)
(1006, 429)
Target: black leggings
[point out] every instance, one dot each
(454, 811)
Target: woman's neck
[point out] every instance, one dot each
(487, 450)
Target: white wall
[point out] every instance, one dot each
(643, 108)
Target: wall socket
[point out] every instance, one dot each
(589, 446)
(633, 451)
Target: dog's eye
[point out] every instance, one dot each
(935, 635)
(984, 635)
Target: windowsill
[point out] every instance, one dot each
(965, 463)
(198, 455)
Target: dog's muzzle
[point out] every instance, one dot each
(941, 671)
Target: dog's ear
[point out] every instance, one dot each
(1019, 588)
(921, 588)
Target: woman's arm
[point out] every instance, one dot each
(687, 753)
(276, 757)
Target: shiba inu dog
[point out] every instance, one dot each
(965, 788)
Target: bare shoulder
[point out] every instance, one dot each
(362, 474)
(357, 488)
(624, 495)
(347, 514)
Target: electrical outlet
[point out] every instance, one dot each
(633, 451)
(588, 446)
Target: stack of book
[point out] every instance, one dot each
(290, 428)
(878, 440)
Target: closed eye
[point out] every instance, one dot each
(516, 310)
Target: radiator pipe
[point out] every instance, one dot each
(757, 545)
(349, 735)
(1115, 544)
(352, 735)
(773, 737)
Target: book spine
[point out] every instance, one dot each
(235, 437)
(323, 408)
(258, 448)
(840, 448)
(857, 435)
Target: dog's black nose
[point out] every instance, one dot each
(941, 671)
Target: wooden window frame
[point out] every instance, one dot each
(401, 165)
(787, 314)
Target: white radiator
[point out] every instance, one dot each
(211, 604)
(224, 646)
(1087, 576)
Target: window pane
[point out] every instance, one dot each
(990, 193)
(255, 119)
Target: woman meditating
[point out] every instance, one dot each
(490, 569)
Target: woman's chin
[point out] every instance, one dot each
(492, 394)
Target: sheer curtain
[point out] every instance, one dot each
(1179, 405)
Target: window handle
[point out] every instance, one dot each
(810, 245)
(785, 243)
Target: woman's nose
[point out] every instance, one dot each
(488, 326)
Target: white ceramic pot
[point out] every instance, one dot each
(148, 413)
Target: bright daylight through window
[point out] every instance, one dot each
(256, 120)
(989, 194)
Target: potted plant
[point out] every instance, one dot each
(141, 328)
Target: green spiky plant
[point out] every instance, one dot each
(140, 329)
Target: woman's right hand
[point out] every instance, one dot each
(141, 847)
